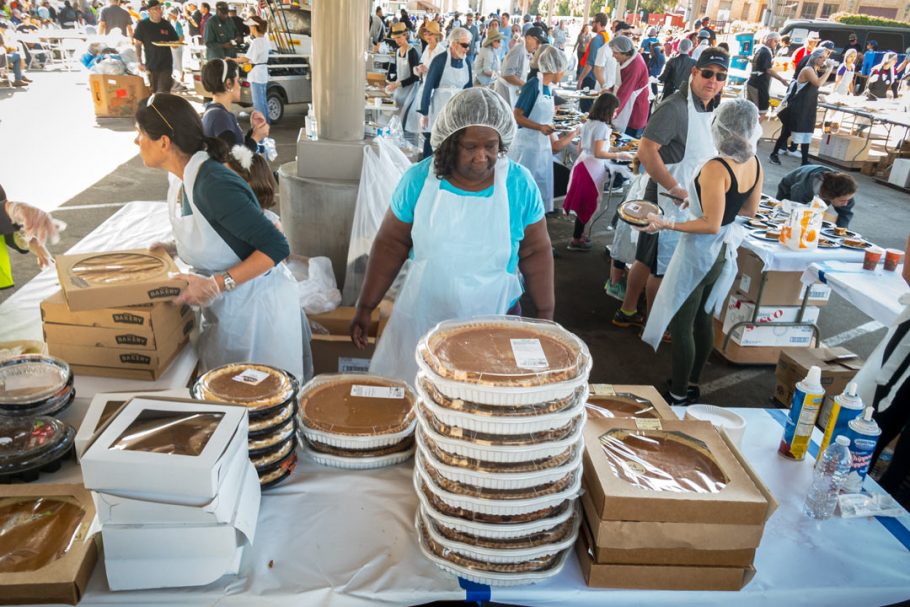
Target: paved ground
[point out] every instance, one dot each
(56, 154)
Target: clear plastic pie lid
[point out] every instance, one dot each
(258, 387)
(116, 268)
(31, 442)
(636, 212)
(266, 425)
(353, 404)
(663, 461)
(32, 378)
(169, 432)
(36, 531)
(506, 351)
(621, 404)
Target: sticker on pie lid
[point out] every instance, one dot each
(647, 424)
(377, 391)
(602, 390)
(252, 377)
(529, 354)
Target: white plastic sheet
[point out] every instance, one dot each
(383, 166)
(876, 294)
(318, 291)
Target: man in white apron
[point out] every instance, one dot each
(449, 73)
(676, 142)
(517, 64)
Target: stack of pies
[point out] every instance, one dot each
(32, 445)
(270, 395)
(34, 384)
(499, 447)
(357, 421)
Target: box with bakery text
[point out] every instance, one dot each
(156, 317)
(105, 279)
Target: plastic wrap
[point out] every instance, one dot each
(357, 463)
(359, 409)
(261, 388)
(278, 474)
(30, 445)
(31, 378)
(504, 352)
(267, 425)
(116, 268)
(519, 434)
(635, 212)
(554, 534)
(36, 531)
(430, 444)
(621, 404)
(382, 169)
(169, 432)
(502, 454)
(663, 461)
(263, 444)
(269, 460)
(487, 417)
(318, 290)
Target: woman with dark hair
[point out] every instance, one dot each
(221, 78)
(798, 116)
(249, 300)
(468, 218)
(406, 19)
(581, 45)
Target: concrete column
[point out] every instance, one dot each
(587, 11)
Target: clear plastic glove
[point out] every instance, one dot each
(682, 194)
(625, 156)
(656, 223)
(36, 224)
(169, 247)
(200, 291)
(44, 257)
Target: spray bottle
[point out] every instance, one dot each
(806, 403)
(847, 406)
(863, 434)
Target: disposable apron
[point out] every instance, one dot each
(621, 122)
(877, 372)
(261, 320)
(694, 257)
(462, 247)
(404, 96)
(699, 148)
(453, 80)
(532, 149)
(506, 89)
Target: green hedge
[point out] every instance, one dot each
(851, 19)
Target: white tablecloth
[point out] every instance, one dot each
(876, 294)
(778, 258)
(346, 538)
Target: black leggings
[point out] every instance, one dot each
(579, 229)
(781, 144)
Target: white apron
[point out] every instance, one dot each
(462, 247)
(413, 117)
(694, 256)
(261, 320)
(699, 149)
(621, 122)
(874, 374)
(532, 149)
(507, 90)
(404, 96)
(453, 81)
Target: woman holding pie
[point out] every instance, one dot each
(465, 221)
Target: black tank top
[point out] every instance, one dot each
(734, 199)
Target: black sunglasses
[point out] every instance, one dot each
(708, 74)
(464, 45)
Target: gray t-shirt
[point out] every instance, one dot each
(115, 16)
(668, 126)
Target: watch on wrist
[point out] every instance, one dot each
(229, 283)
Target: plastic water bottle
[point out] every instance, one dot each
(828, 479)
(271, 150)
(310, 124)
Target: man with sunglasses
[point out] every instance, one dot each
(448, 74)
(674, 145)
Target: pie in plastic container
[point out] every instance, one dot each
(29, 379)
(261, 388)
(32, 445)
(635, 212)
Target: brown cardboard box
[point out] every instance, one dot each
(743, 355)
(794, 363)
(83, 296)
(156, 317)
(649, 393)
(116, 96)
(334, 352)
(739, 502)
(376, 78)
(63, 580)
(135, 338)
(781, 288)
(658, 577)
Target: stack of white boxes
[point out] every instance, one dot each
(176, 494)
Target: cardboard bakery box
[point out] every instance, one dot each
(743, 355)
(599, 396)
(731, 496)
(657, 577)
(333, 352)
(155, 317)
(838, 366)
(106, 279)
(60, 581)
(124, 337)
(166, 449)
(781, 288)
(116, 96)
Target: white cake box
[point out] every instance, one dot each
(103, 407)
(170, 556)
(167, 450)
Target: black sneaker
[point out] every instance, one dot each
(676, 402)
(693, 394)
(774, 158)
(624, 321)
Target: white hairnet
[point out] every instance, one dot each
(815, 56)
(474, 107)
(551, 60)
(458, 32)
(685, 45)
(735, 129)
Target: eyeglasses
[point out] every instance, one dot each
(465, 45)
(150, 103)
(708, 74)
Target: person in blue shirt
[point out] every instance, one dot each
(466, 221)
(586, 79)
(645, 45)
(449, 72)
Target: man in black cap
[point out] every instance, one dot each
(220, 35)
(586, 79)
(159, 61)
(676, 142)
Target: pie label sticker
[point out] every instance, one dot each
(647, 424)
(377, 391)
(602, 390)
(252, 377)
(529, 354)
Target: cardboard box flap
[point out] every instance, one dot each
(603, 392)
(338, 323)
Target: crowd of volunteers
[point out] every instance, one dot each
(468, 223)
